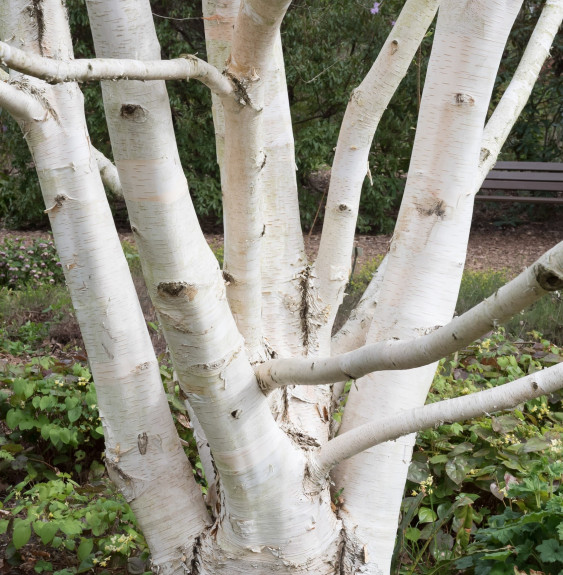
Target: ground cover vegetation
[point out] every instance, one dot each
(348, 36)
(482, 496)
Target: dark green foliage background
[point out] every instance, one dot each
(329, 47)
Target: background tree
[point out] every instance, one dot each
(329, 48)
(252, 344)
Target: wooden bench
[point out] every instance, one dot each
(528, 176)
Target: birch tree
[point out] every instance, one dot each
(252, 346)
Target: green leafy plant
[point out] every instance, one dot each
(528, 534)
(51, 409)
(24, 262)
(93, 521)
(475, 464)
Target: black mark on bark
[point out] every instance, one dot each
(177, 289)
(134, 112)
(142, 442)
(229, 279)
(437, 210)
(464, 100)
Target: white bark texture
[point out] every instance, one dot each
(267, 459)
(143, 453)
(366, 106)
(544, 276)
(427, 251)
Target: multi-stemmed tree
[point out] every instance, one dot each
(252, 344)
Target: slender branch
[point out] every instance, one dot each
(108, 173)
(20, 104)
(516, 95)
(500, 398)
(366, 106)
(57, 71)
(544, 276)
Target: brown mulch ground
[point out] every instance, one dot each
(490, 247)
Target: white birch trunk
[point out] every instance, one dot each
(269, 461)
(143, 452)
(427, 252)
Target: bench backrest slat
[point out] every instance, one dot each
(524, 166)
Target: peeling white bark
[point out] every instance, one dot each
(267, 459)
(542, 277)
(367, 104)
(427, 252)
(143, 452)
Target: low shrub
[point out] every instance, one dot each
(23, 263)
(461, 472)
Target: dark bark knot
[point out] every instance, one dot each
(438, 209)
(548, 279)
(344, 208)
(134, 112)
(236, 413)
(177, 289)
(535, 386)
(464, 100)
(229, 279)
(142, 442)
(394, 46)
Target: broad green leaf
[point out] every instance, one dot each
(21, 534)
(13, 417)
(426, 515)
(55, 434)
(85, 548)
(412, 534)
(45, 530)
(27, 423)
(47, 402)
(71, 402)
(74, 413)
(440, 458)
(23, 388)
(456, 469)
(550, 551)
(71, 527)
(65, 435)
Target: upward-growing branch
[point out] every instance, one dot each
(542, 277)
(20, 104)
(516, 95)
(366, 106)
(255, 32)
